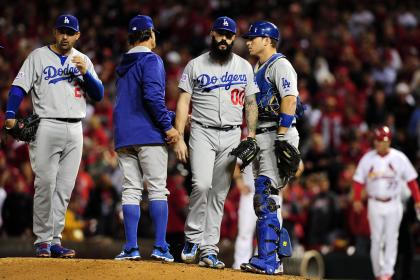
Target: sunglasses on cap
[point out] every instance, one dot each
(67, 31)
(229, 35)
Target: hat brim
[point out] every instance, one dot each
(68, 27)
(249, 36)
(225, 29)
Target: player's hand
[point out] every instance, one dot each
(417, 207)
(80, 63)
(358, 206)
(172, 136)
(181, 151)
(9, 123)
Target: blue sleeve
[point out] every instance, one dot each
(154, 91)
(16, 96)
(94, 87)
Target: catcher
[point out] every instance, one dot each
(279, 159)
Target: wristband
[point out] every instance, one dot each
(286, 120)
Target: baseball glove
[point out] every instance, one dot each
(246, 151)
(24, 128)
(288, 159)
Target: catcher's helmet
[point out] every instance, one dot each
(263, 29)
(383, 133)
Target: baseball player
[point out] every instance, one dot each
(58, 77)
(141, 124)
(219, 84)
(383, 172)
(277, 81)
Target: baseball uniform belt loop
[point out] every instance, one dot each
(270, 128)
(69, 120)
(381, 199)
(224, 128)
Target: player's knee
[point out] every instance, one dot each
(201, 187)
(264, 203)
(131, 196)
(158, 194)
(45, 181)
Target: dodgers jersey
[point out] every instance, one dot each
(55, 91)
(384, 176)
(218, 91)
(276, 79)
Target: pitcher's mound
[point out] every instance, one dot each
(34, 268)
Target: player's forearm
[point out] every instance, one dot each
(182, 109)
(16, 96)
(94, 87)
(287, 112)
(414, 188)
(251, 114)
(357, 189)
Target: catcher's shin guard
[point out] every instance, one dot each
(268, 228)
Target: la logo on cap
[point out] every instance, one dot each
(66, 20)
(225, 23)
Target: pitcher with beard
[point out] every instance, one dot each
(219, 84)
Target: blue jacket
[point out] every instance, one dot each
(140, 114)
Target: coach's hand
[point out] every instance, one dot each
(172, 136)
(181, 150)
(80, 63)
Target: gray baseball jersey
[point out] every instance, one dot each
(55, 154)
(218, 93)
(281, 73)
(55, 91)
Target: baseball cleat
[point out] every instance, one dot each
(251, 268)
(163, 255)
(58, 251)
(43, 250)
(211, 261)
(131, 254)
(190, 252)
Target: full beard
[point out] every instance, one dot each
(219, 55)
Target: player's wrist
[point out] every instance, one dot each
(280, 136)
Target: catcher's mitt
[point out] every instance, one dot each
(288, 159)
(24, 128)
(246, 151)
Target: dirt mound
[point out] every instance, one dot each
(33, 268)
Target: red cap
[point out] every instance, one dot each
(383, 133)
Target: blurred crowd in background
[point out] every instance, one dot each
(358, 67)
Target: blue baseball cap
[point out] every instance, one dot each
(224, 23)
(67, 21)
(140, 23)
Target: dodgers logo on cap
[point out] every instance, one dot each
(225, 23)
(67, 21)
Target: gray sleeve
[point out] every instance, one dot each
(28, 73)
(284, 77)
(251, 86)
(187, 79)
